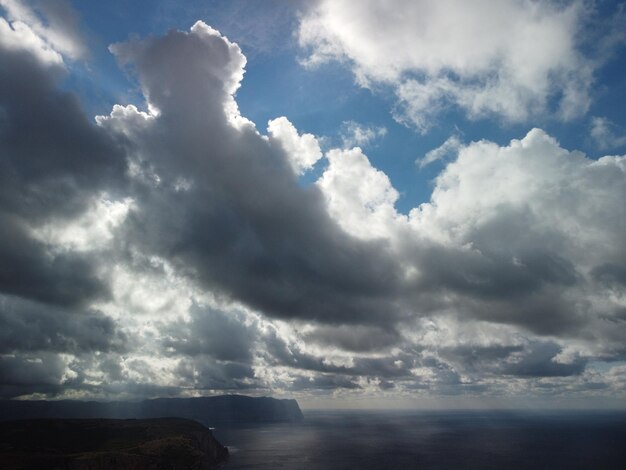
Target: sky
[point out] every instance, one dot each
(368, 204)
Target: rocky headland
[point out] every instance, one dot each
(223, 410)
(94, 444)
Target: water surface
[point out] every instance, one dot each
(333, 440)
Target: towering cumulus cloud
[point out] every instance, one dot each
(177, 250)
(222, 202)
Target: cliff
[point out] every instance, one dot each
(155, 444)
(210, 411)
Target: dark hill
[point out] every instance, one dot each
(211, 411)
(155, 444)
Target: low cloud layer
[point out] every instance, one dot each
(215, 268)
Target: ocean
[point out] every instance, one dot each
(367, 440)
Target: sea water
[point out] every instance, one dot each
(332, 440)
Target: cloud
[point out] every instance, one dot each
(33, 327)
(302, 151)
(201, 373)
(55, 163)
(25, 374)
(354, 134)
(322, 382)
(353, 338)
(55, 166)
(241, 224)
(541, 361)
(512, 234)
(534, 235)
(49, 30)
(222, 335)
(448, 149)
(55, 158)
(28, 270)
(359, 197)
(610, 273)
(176, 251)
(604, 134)
(466, 213)
(514, 60)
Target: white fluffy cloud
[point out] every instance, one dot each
(448, 149)
(360, 198)
(302, 150)
(605, 134)
(512, 58)
(354, 134)
(571, 200)
(49, 31)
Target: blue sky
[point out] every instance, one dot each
(436, 217)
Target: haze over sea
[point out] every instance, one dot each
(334, 440)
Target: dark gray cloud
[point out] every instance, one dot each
(323, 382)
(610, 274)
(25, 374)
(540, 361)
(477, 358)
(392, 367)
(545, 312)
(357, 338)
(493, 274)
(53, 162)
(277, 352)
(242, 224)
(27, 326)
(53, 156)
(221, 335)
(29, 270)
(204, 373)
(34, 336)
(532, 360)
(511, 275)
